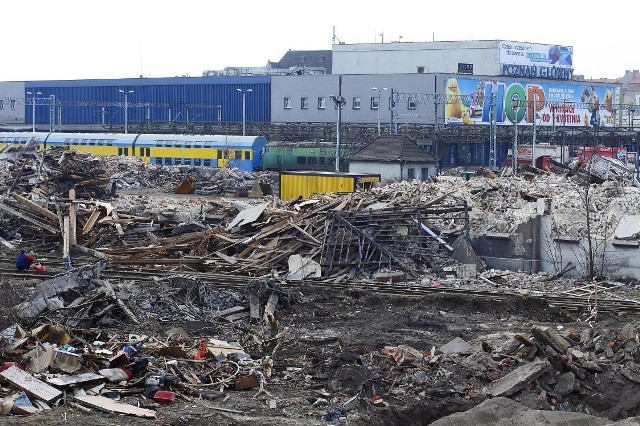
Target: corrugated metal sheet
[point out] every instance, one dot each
(307, 183)
(194, 99)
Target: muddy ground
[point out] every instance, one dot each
(333, 351)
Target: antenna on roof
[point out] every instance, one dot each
(334, 38)
(141, 75)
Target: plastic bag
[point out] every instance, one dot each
(38, 267)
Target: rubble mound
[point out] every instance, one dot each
(363, 307)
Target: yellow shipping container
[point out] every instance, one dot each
(306, 183)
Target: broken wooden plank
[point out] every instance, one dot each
(229, 311)
(254, 306)
(7, 244)
(433, 234)
(91, 221)
(28, 219)
(230, 259)
(110, 406)
(37, 208)
(168, 244)
(311, 237)
(66, 243)
(72, 219)
(76, 379)
(30, 384)
(270, 307)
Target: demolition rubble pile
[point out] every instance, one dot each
(66, 200)
(152, 319)
(86, 342)
(90, 344)
(500, 204)
(132, 173)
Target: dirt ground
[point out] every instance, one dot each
(332, 352)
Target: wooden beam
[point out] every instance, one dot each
(35, 207)
(65, 239)
(92, 221)
(72, 219)
(270, 307)
(28, 219)
(174, 242)
(30, 384)
(6, 243)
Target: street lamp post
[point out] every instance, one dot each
(533, 139)
(379, 89)
(493, 161)
(126, 93)
(635, 142)
(564, 131)
(33, 110)
(244, 93)
(515, 104)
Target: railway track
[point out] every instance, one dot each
(235, 282)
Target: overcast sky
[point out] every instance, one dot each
(73, 39)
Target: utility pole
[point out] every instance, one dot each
(52, 113)
(515, 104)
(339, 103)
(493, 161)
(533, 140)
(33, 110)
(393, 129)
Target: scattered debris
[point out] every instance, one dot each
(148, 302)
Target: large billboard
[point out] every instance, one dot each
(474, 101)
(532, 60)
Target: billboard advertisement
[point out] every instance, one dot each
(472, 101)
(516, 53)
(532, 60)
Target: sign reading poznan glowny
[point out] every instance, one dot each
(536, 60)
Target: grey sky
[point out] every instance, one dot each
(71, 39)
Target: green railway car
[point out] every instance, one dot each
(285, 156)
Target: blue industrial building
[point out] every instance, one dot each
(152, 100)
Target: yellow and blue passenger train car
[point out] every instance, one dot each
(241, 152)
(8, 139)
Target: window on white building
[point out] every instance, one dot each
(356, 102)
(424, 173)
(304, 103)
(321, 102)
(287, 103)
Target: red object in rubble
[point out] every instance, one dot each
(38, 267)
(10, 364)
(164, 397)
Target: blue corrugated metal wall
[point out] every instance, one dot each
(193, 99)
